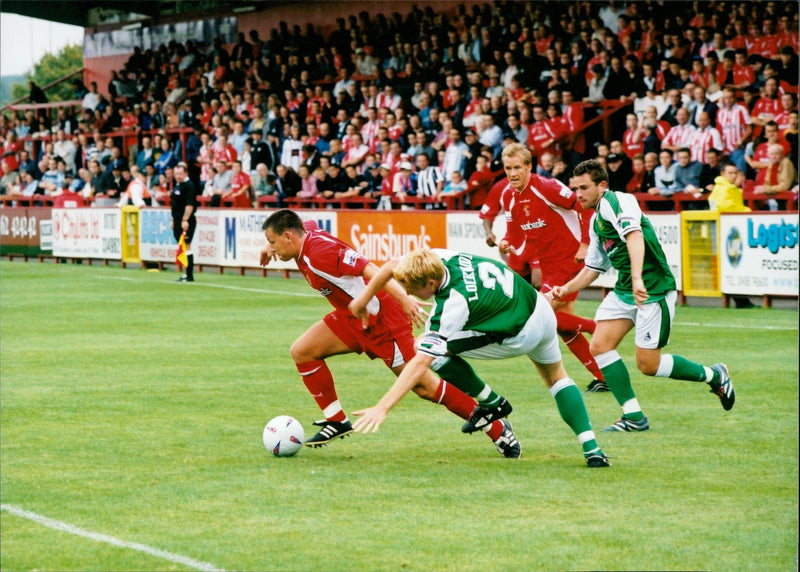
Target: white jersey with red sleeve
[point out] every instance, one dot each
(333, 268)
(732, 124)
(549, 216)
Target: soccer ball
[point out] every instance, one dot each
(283, 436)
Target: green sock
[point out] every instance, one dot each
(458, 372)
(619, 382)
(573, 411)
(682, 368)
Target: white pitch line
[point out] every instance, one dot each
(70, 529)
(223, 286)
(259, 290)
(738, 326)
(310, 295)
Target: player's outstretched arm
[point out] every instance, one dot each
(371, 418)
(585, 277)
(382, 278)
(376, 278)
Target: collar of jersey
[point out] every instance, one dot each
(445, 280)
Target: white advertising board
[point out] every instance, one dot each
(759, 254)
(87, 233)
(465, 233)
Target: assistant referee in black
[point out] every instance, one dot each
(183, 201)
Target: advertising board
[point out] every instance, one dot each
(759, 254)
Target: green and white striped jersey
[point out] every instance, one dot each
(481, 296)
(617, 215)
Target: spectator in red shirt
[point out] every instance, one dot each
(240, 191)
(760, 159)
(743, 74)
(633, 138)
(558, 127)
(635, 183)
(788, 105)
(742, 37)
(572, 112)
(472, 111)
(128, 120)
(767, 107)
(222, 149)
(540, 136)
(767, 45)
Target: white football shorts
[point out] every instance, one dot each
(652, 321)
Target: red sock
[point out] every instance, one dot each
(579, 346)
(319, 382)
(495, 429)
(571, 322)
(462, 405)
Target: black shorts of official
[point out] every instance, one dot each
(177, 230)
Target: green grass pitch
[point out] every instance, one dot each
(133, 407)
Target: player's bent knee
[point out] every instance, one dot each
(302, 352)
(597, 348)
(647, 366)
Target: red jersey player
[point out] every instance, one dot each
(543, 221)
(527, 267)
(339, 273)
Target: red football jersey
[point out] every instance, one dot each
(549, 215)
(333, 268)
(491, 206)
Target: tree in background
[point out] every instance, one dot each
(49, 69)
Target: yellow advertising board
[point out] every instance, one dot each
(130, 234)
(700, 253)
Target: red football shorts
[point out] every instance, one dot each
(522, 264)
(389, 336)
(560, 275)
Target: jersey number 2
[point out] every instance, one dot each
(491, 275)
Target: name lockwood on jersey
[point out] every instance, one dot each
(468, 275)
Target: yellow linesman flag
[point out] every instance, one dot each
(180, 255)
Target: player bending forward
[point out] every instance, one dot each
(338, 272)
(643, 298)
(483, 310)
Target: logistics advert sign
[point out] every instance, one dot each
(759, 254)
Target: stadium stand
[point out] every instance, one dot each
(558, 76)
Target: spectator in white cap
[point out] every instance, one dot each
(403, 185)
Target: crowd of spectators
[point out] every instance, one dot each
(394, 107)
